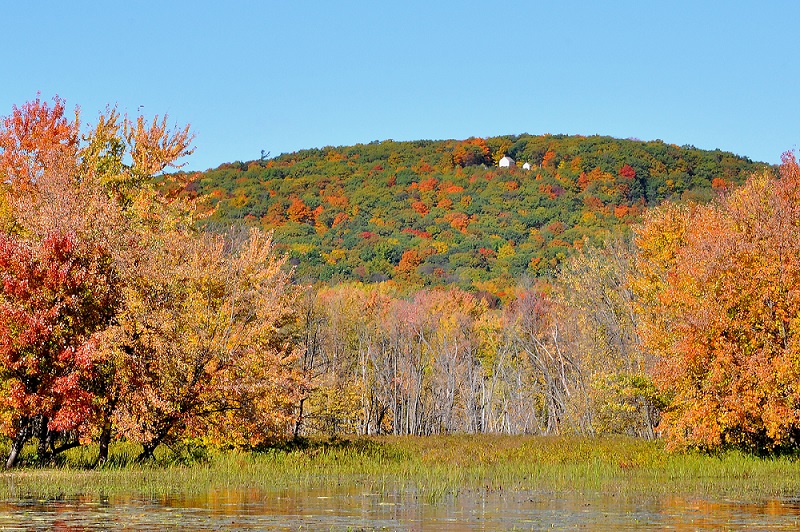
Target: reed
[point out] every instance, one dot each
(430, 467)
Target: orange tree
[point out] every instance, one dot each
(719, 289)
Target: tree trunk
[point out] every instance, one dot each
(299, 421)
(18, 443)
(43, 434)
(105, 439)
(147, 451)
(148, 448)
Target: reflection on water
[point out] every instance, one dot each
(359, 509)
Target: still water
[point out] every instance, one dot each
(354, 509)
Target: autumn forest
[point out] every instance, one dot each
(593, 286)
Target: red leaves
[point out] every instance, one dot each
(55, 296)
(627, 171)
(416, 232)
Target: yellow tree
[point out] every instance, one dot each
(204, 343)
(597, 310)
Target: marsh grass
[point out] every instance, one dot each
(429, 467)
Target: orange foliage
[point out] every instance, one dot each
(472, 151)
(593, 203)
(445, 204)
(275, 215)
(719, 287)
(428, 185)
(299, 211)
(457, 220)
(551, 191)
(420, 207)
(556, 227)
(547, 160)
(425, 168)
(339, 201)
(719, 184)
(595, 175)
(621, 211)
(34, 136)
(340, 218)
(409, 262)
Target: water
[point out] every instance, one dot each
(357, 509)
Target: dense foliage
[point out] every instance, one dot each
(442, 212)
(140, 306)
(117, 317)
(719, 290)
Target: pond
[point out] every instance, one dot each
(358, 509)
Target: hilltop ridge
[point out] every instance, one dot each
(438, 212)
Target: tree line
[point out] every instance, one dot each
(120, 319)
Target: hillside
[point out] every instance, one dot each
(436, 212)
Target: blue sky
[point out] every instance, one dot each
(283, 76)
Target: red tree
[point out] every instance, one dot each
(54, 295)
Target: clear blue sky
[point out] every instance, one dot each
(283, 76)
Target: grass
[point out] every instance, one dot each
(431, 467)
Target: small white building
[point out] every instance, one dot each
(526, 166)
(506, 162)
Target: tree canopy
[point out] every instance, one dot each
(434, 213)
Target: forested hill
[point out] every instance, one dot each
(434, 212)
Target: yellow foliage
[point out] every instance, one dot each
(334, 256)
(506, 251)
(439, 246)
(301, 247)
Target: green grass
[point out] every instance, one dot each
(431, 467)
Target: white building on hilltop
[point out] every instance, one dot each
(506, 162)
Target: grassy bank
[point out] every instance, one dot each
(431, 467)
